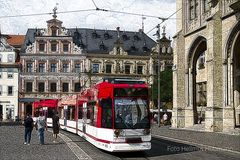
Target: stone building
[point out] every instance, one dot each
(58, 62)
(9, 78)
(206, 72)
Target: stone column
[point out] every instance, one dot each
(178, 115)
(214, 114)
(189, 120)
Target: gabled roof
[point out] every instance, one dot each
(103, 41)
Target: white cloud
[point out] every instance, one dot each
(97, 19)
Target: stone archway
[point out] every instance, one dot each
(196, 52)
(232, 80)
(236, 79)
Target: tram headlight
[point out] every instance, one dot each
(146, 131)
(117, 132)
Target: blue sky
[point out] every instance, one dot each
(88, 19)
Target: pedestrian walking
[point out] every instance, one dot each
(56, 126)
(41, 126)
(28, 124)
(165, 118)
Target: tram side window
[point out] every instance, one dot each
(106, 105)
(61, 113)
(80, 112)
(50, 112)
(71, 113)
(90, 113)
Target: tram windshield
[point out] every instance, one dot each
(131, 113)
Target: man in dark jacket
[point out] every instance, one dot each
(28, 123)
(56, 126)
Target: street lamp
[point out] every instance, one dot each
(159, 72)
(159, 68)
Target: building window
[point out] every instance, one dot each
(53, 67)
(0, 90)
(205, 6)
(77, 68)
(41, 87)
(95, 68)
(53, 87)
(41, 67)
(65, 47)
(54, 32)
(54, 47)
(139, 69)
(201, 61)
(108, 68)
(65, 87)
(127, 69)
(10, 75)
(29, 87)
(10, 58)
(29, 67)
(10, 90)
(65, 67)
(77, 87)
(41, 47)
(156, 69)
(193, 9)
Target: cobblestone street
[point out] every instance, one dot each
(12, 147)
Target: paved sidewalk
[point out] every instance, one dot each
(12, 147)
(218, 140)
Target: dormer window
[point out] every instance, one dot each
(125, 37)
(95, 35)
(54, 32)
(145, 49)
(136, 38)
(106, 35)
(133, 48)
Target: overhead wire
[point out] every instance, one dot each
(164, 20)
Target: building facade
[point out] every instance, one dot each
(9, 78)
(58, 62)
(206, 65)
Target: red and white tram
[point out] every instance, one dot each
(113, 116)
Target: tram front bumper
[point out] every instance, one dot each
(130, 147)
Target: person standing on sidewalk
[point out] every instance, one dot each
(56, 126)
(28, 124)
(41, 126)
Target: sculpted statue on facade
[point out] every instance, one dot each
(30, 48)
(77, 50)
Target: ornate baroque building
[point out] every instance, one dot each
(9, 78)
(58, 62)
(206, 72)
